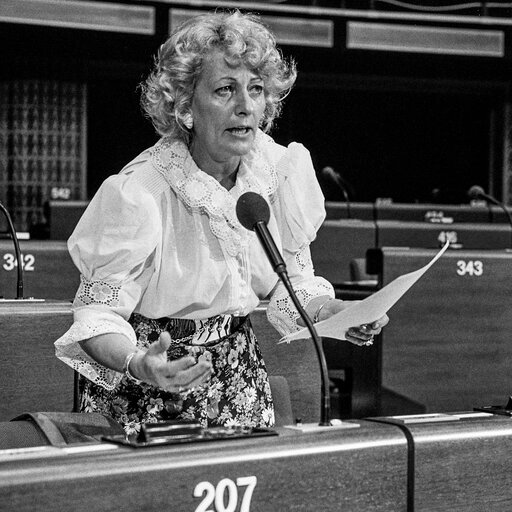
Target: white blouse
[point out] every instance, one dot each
(162, 239)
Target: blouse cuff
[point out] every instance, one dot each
(88, 324)
(281, 311)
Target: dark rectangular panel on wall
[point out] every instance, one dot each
(413, 38)
(92, 15)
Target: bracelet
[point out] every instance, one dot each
(126, 368)
(316, 318)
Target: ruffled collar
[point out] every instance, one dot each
(201, 192)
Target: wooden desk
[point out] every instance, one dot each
(49, 272)
(466, 235)
(448, 344)
(358, 469)
(461, 464)
(340, 210)
(337, 243)
(33, 379)
(422, 212)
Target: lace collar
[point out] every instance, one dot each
(201, 192)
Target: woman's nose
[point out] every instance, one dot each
(244, 103)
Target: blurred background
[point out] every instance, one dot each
(405, 101)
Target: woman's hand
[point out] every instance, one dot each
(180, 375)
(358, 335)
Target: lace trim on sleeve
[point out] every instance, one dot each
(97, 292)
(68, 350)
(281, 311)
(303, 259)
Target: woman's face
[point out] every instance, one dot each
(227, 106)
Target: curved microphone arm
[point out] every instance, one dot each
(325, 412)
(330, 173)
(504, 208)
(12, 231)
(476, 191)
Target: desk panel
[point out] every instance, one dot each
(337, 243)
(340, 210)
(32, 378)
(424, 234)
(49, 272)
(448, 344)
(424, 212)
(357, 469)
(461, 463)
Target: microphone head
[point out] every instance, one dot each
(252, 208)
(476, 192)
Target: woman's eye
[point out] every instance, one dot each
(224, 91)
(256, 90)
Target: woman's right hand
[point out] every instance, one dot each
(179, 375)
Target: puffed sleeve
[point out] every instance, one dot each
(299, 212)
(113, 247)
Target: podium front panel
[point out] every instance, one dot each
(357, 469)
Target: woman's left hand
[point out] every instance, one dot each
(359, 335)
(364, 334)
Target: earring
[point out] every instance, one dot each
(188, 121)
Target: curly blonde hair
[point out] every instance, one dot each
(167, 93)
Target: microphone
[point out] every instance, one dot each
(12, 231)
(477, 192)
(253, 213)
(331, 174)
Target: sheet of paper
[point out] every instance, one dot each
(368, 310)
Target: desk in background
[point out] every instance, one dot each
(33, 379)
(49, 272)
(338, 242)
(466, 235)
(414, 212)
(448, 345)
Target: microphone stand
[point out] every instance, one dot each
(12, 231)
(329, 172)
(280, 268)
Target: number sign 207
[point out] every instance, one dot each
(470, 268)
(224, 495)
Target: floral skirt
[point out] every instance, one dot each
(238, 392)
